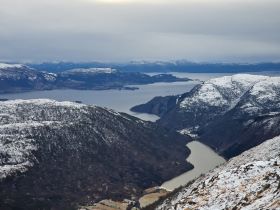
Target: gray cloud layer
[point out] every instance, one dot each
(84, 30)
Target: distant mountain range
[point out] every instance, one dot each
(176, 66)
(231, 114)
(19, 78)
(57, 155)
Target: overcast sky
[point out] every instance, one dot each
(124, 30)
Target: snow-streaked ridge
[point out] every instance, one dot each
(223, 91)
(248, 181)
(250, 94)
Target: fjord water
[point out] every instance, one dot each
(203, 158)
(119, 100)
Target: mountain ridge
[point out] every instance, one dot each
(56, 155)
(230, 105)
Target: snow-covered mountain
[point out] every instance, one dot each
(230, 114)
(54, 155)
(17, 78)
(213, 98)
(255, 118)
(249, 181)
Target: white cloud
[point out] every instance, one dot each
(212, 30)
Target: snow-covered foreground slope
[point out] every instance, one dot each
(248, 181)
(54, 155)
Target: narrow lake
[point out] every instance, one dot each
(203, 158)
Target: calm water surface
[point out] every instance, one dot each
(203, 158)
(120, 100)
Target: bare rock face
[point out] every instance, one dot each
(248, 181)
(56, 155)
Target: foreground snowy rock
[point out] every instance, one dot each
(249, 181)
(54, 155)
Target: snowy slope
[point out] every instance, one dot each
(248, 181)
(252, 120)
(262, 98)
(214, 98)
(217, 96)
(16, 127)
(54, 155)
(222, 91)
